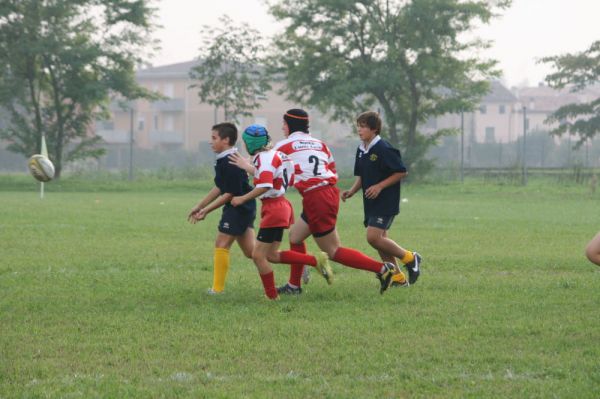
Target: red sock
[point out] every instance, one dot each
(293, 257)
(356, 259)
(297, 268)
(268, 281)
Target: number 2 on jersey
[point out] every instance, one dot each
(316, 161)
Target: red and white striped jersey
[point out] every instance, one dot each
(313, 162)
(274, 170)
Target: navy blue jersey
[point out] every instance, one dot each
(374, 164)
(233, 180)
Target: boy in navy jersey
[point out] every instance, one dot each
(378, 169)
(236, 222)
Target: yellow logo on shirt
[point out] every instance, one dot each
(373, 157)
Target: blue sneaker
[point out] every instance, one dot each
(289, 290)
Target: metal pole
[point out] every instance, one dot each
(462, 146)
(131, 142)
(524, 145)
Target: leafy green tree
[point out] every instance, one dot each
(576, 71)
(412, 59)
(231, 73)
(60, 62)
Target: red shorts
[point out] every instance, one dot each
(320, 209)
(276, 212)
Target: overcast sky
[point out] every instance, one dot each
(530, 29)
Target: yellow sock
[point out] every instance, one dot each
(399, 278)
(408, 257)
(221, 266)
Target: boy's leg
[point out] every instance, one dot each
(246, 242)
(298, 233)
(378, 239)
(592, 251)
(259, 256)
(221, 261)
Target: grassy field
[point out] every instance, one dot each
(102, 294)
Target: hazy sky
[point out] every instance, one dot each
(530, 29)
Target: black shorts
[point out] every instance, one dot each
(235, 222)
(381, 222)
(269, 235)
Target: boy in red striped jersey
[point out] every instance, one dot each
(315, 179)
(273, 174)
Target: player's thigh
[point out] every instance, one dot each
(329, 243)
(299, 231)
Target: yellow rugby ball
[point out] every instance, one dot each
(41, 167)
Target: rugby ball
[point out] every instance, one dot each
(41, 167)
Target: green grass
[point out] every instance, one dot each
(102, 294)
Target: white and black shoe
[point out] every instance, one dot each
(414, 268)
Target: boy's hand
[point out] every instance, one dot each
(373, 191)
(196, 215)
(346, 194)
(242, 163)
(237, 201)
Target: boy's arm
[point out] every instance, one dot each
(210, 197)
(373, 191)
(256, 192)
(355, 187)
(241, 162)
(219, 202)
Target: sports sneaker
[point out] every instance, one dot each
(213, 292)
(399, 280)
(385, 277)
(306, 275)
(324, 267)
(289, 290)
(414, 268)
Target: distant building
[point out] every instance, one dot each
(182, 122)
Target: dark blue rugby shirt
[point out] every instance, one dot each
(374, 164)
(233, 180)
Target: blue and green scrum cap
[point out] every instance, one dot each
(256, 137)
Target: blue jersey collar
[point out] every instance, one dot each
(375, 140)
(226, 153)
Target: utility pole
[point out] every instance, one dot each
(462, 146)
(131, 112)
(524, 145)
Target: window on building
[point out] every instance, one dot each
(155, 122)
(482, 109)
(169, 123)
(169, 90)
(141, 122)
(490, 134)
(502, 109)
(107, 125)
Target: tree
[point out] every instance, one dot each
(576, 71)
(411, 58)
(60, 62)
(231, 74)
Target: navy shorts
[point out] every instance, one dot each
(381, 222)
(235, 222)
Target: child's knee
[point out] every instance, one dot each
(373, 238)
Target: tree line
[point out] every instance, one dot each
(63, 61)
